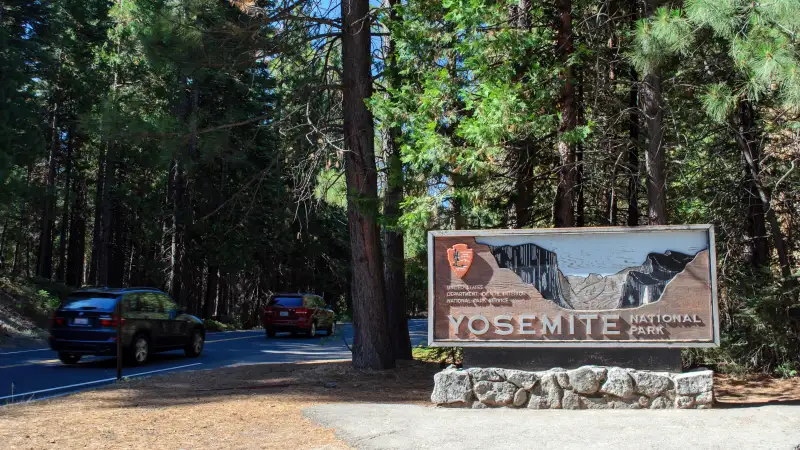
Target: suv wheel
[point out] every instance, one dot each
(313, 331)
(69, 358)
(139, 350)
(332, 329)
(195, 346)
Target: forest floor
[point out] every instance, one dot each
(22, 315)
(256, 406)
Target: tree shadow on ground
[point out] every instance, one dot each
(319, 382)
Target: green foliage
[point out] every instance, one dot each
(441, 355)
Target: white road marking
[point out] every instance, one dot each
(105, 380)
(25, 351)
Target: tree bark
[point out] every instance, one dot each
(105, 244)
(563, 208)
(210, 303)
(755, 230)
(97, 230)
(633, 152)
(519, 17)
(655, 158)
(394, 248)
(77, 235)
(633, 134)
(44, 264)
(372, 348)
(749, 146)
(23, 224)
(62, 245)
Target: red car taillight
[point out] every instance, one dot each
(111, 322)
(56, 320)
(301, 311)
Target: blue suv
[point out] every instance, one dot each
(86, 324)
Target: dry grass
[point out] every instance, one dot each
(252, 407)
(243, 407)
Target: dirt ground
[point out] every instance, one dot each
(253, 407)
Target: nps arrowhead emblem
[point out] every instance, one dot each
(460, 258)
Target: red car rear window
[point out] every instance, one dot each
(287, 302)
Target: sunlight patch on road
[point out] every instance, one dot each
(300, 352)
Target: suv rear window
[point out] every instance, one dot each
(83, 302)
(287, 302)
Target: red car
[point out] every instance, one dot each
(298, 313)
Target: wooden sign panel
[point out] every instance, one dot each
(573, 287)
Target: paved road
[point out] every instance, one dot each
(376, 426)
(37, 373)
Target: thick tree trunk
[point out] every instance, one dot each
(655, 158)
(62, 244)
(394, 248)
(224, 289)
(372, 348)
(77, 235)
(3, 243)
(210, 303)
(564, 207)
(755, 229)
(749, 146)
(44, 265)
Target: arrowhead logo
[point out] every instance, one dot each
(460, 258)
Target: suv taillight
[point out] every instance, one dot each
(110, 322)
(56, 320)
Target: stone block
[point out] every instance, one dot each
(522, 379)
(480, 374)
(684, 402)
(693, 383)
(549, 388)
(660, 403)
(618, 383)
(520, 397)
(451, 386)
(706, 398)
(584, 380)
(571, 400)
(498, 393)
(651, 384)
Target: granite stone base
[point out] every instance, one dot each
(587, 387)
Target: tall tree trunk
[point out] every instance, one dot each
(105, 244)
(224, 289)
(97, 227)
(23, 225)
(62, 245)
(746, 137)
(655, 157)
(44, 265)
(394, 248)
(77, 235)
(520, 18)
(3, 243)
(210, 303)
(633, 135)
(564, 207)
(372, 348)
(755, 229)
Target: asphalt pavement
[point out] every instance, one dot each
(36, 373)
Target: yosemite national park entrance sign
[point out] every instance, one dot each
(573, 287)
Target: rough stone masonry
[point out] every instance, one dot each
(587, 387)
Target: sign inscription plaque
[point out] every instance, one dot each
(573, 287)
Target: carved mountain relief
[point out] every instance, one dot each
(629, 288)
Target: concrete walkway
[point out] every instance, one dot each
(376, 426)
